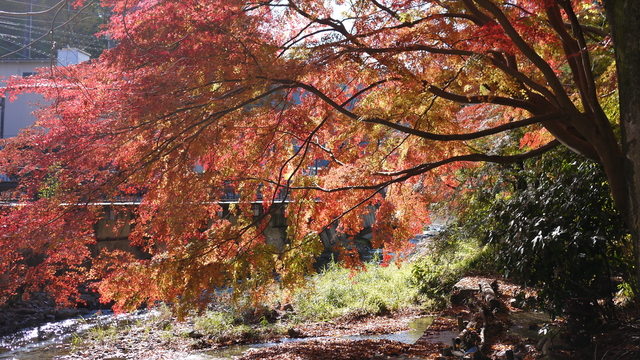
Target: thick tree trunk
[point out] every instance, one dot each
(624, 19)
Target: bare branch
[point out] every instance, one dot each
(589, 29)
(387, 10)
(499, 159)
(413, 47)
(544, 118)
(481, 18)
(482, 99)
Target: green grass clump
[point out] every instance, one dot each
(222, 326)
(101, 334)
(339, 291)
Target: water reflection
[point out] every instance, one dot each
(418, 327)
(530, 324)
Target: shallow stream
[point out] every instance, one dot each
(56, 338)
(418, 327)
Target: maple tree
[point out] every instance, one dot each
(200, 96)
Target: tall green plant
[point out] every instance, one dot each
(339, 291)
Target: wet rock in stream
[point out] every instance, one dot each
(40, 308)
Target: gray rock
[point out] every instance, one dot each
(27, 311)
(66, 313)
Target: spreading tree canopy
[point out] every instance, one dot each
(203, 96)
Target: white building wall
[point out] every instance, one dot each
(18, 114)
(71, 56)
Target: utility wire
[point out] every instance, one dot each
(22, 27)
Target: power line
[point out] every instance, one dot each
(61, 34)
(16, 40)
(38, 5)
(47, 54)
(5, 48)
(22, 26)
(37, 31)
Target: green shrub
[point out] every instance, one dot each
(449, 259)
(551, 224)
(222, 326)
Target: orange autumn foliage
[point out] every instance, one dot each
(395, 97)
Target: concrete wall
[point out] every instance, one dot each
(113, 229)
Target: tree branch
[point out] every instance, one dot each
(468, 136)
(500, 159)
(529, 52)
(413, 47)
(482, 99)
(387, 10)
(482, 18)
(572, 52)
(403, 175)
(544, 118)
(591, 94)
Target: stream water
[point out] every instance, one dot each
(56, 338)
(531, 324)
(418, 327)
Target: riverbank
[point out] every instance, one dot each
(337, 315)
(348, 337)
(155, 339)
(156, 335)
